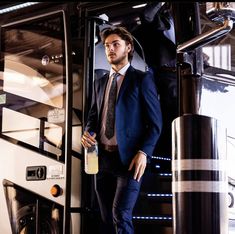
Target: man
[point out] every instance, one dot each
(137, 126)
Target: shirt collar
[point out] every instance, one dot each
(122, 71)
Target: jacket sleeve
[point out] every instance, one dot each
(153, 114)
(92, 118)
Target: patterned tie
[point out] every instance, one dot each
(110, 117)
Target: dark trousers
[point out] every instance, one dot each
(117, 193)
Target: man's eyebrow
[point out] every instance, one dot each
(106, 43)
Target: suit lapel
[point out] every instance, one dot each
(126, 81)
(100, 92)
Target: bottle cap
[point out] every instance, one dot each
(91, 133)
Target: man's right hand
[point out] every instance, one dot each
(88, 140)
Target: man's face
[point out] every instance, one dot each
(116, 50)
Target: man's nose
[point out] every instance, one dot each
(110, 47)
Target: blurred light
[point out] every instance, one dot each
(161, 158)
(165, 174)
(16, 7)
(152, 217)
(159, 195)
(104, 17)
(116, 23)
(140, 5)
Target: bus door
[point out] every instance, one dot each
(40, 74)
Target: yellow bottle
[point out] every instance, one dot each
(91, 160)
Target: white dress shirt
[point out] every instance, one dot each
(122, 72)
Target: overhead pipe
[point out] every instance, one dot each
(206, 37)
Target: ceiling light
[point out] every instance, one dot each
(140, 5)
(16, 7)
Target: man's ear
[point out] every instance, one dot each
(129, 47)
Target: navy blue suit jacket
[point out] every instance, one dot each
(138, 113)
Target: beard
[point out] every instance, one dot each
(118, 60)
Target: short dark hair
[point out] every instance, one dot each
(121, 32)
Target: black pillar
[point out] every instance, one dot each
(200, 183)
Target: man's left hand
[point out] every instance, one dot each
(139, 162)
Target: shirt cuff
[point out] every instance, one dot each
(140, 151)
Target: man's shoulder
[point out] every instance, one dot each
(138, 72)
(100, 73)
(135, 70)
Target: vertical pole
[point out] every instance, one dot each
(200, 182)
(68, 123)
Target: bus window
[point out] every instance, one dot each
(33, 84)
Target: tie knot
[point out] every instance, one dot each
(115, 75)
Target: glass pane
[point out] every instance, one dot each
(33, 84)
(219, 53)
